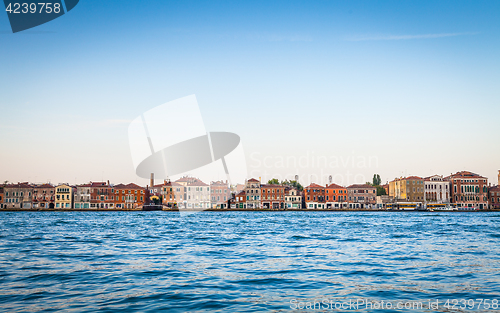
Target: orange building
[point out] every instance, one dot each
(171, 193)
(128, 196)
(335, 196)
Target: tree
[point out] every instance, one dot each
(376, 180)
(273, 181)
(381, 191)
(293, 183)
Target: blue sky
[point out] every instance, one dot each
(414, 84)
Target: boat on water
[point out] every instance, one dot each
(433, 207)
(152, 207)
(405, 206)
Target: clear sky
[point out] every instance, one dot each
(314, 88)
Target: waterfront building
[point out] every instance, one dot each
(383, 200)
(272, 196)
(239, 201)
(410, 189)
(253, 193)
(171, 192)
(362, 196)
(1, 197)
(219, 194)
(437, 189)
(335, 196)
(198, 195)
(468, 190)
(293, 199)
(128, 196)
(494, 197)
(64, 196)
(18, 196)
(101, 195)
(314, 196)
(43, 196)
(82, 196)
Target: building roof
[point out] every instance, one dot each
(219, 183)
(464, 174)
(241, 193)
(313, 185)
(253, 180)
(98, 184)
(19, 185)
(361, 186)
(44, 186)
(494, 188)
(197, 183)
(133, 186)
(334, 186)
(413, 178)
(271, 186)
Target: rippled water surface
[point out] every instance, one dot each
(242, 261)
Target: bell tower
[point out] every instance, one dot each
(498, 182)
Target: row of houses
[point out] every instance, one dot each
(187, 191)
(462, 190)
(332, 196)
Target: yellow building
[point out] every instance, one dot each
(410, 189)
(64, 197)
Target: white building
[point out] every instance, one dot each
(194, 194)
(82, 197)
(437, 190)
(198, 195)
(293, 199)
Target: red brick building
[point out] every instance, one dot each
(469, 191)
(102, 196)
(494, 195)
(314, 196)
(272, 196)
(240, 200)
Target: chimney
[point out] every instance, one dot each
(152, 180)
